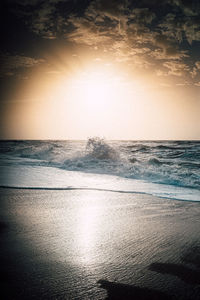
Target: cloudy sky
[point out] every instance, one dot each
(151, 49)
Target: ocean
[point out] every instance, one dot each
(168, 169)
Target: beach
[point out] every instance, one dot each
(79, 244)
(100, 150)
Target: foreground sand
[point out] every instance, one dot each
(98, 245)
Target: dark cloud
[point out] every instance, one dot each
(154, 34)
(114, 9)
(181, 27)
(170, 48)
(142, 15)
(189, 7)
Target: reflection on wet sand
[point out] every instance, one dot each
(58, 244)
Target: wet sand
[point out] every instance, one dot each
(98, 245)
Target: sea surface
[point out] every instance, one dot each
(168, 169)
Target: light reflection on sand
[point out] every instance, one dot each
(88, 227)
(72, 239)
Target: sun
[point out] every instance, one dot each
(95, 101)
(97, 91)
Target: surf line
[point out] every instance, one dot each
(91, 189)
(67, 189)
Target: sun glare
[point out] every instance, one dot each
(91, 100)
(95, 102)
(96, 91)
(99, 101)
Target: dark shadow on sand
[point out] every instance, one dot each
(3, 226)
(186, 274)
(119, 291)
(5, 277)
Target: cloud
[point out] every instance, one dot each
(181, 26)
(197, 64)
(48, 18)
(11, 63)
(169, 48)
(44, 18)
(89, 33)
(151, 34)
(176, 68)
(142, 15)
(113, 9)
(196, 69)
(124, 39)
(188, 7)
(138, 35)
(123, 43)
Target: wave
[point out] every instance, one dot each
(172, 163)
(99, 149)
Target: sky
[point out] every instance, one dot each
(115, 69)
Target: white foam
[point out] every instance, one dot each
(50, 178)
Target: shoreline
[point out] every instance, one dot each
(93, 189)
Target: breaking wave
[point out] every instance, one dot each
(172, 163)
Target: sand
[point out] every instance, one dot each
(98, 245)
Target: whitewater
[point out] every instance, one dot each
(168, 169)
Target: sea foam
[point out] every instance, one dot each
(169, 166)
